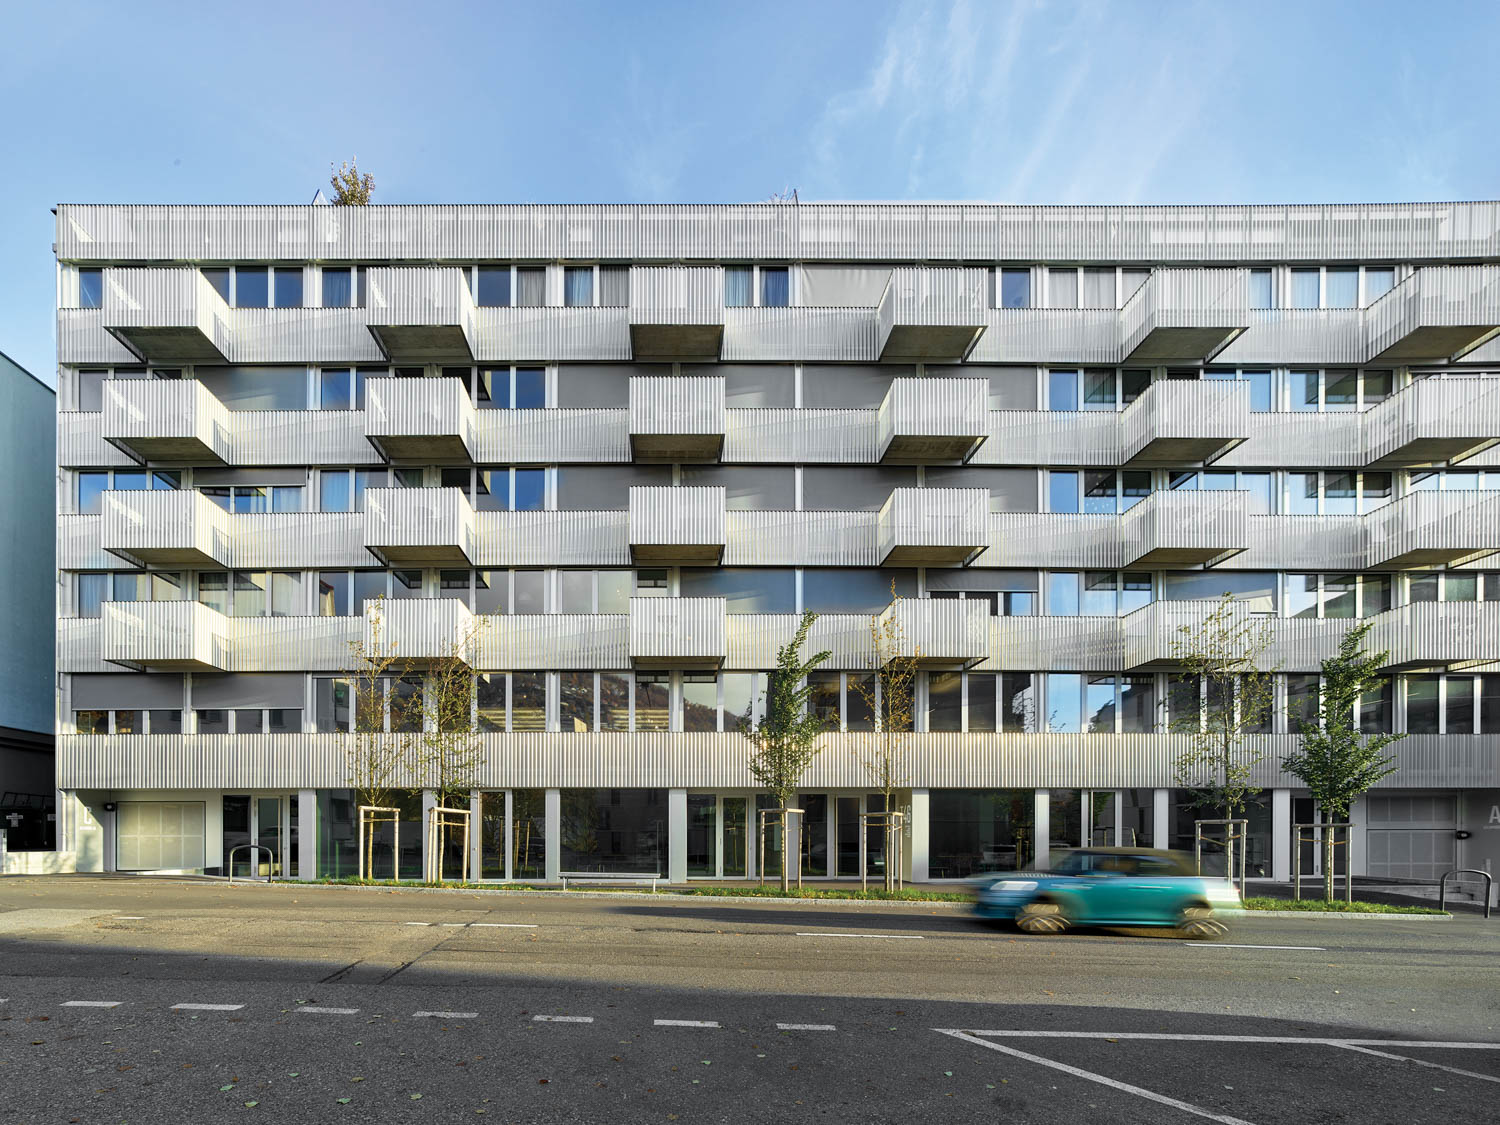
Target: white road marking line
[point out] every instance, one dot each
(419, 923)
(1419, 1062)
(1090, 1076)
(455, 925)
(446, 1015)
(1230, 945)
(565, 1019)
(130, 918)
(1016, 1033)
(895, 937)
(328, 1011)
(207, 1007)
(91, 1003)
(504, 925)
(686, 1023)
(805, 1027)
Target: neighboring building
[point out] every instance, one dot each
(28, 459)
(632, 442)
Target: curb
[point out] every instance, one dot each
(1445, 917)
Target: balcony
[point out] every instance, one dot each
(166, 420)
(166, 636)
(421, 314)
(554, 641)
(421, 630)
(1438, 313)
(676, 418)
(931, 315)
(167, 315)
(419, 525)
(677, 525)
(1432, 529)
(933, 526)
(939, 632)
(1156, 635)
(1055, 644)
(1173, 529)
(676, 312)
(1185, 422)
(1433, 422)
(431, 420)
(166, 529)
(1438, 634)
(678, 632)
(1185, 315)
(923, 420)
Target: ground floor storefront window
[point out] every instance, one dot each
(970, 831)
(613, 830)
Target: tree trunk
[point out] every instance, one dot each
(785, 850)
(1327, 864)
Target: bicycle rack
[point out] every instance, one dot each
(270, 865)
(1489, 882)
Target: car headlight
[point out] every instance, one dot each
(1015, 885)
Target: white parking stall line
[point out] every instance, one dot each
(1231, 945)
(686, 1023)
(1188, 1037)
(805, 1027)
(891, 937)
(1103, 1080)
(504, 925)
(129, 918)
(454, 925)
(1419, 1062)
(91, 1003)
(329, 1011)
(445, 1015)
(418, 923)
(207, 1007)
(564, 1019)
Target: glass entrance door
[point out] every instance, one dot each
(268, 835)
(736, 837)
(702, 835)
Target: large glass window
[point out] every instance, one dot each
(614, 830)
(578, 285)
(652, 700)
(493, 289)
(838, 590)
(746, 590)
(575, 705)
(1015, 289)
(700, 701)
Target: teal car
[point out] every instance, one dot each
(1110, 887)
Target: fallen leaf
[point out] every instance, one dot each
(416, 1097)
(223, 1088)
(343, 1101)
(251, 1105)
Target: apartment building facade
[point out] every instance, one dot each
(619, 449)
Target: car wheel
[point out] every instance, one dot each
(1197, 923)
(1042, 918)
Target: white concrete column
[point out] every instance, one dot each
(510, 836)
(429, 802)
(1281, 835)
(920, 854)
(1042, 830)
(676, 836)
(307, 834)
(1161, 818)
(476, 837)
(1358, 814)
(553, 809)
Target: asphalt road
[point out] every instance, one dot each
(142, 1001)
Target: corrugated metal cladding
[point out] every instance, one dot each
(527, 760)
(804, 232)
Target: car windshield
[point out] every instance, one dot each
(1116, 863)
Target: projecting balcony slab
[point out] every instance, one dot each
(1185, 422)
(429, 420)
(939, 632)
(1432, 529)
(936, 419)
(933, 526)
(678, 632)
(169, 528)
(1438, 313)
(1433, 422)
(419, 525)
(676, 312)
(1185, 315)
(421, 314)
(931, 315)
(677, 418)
(179, 636)
(677, 525)
(166, 421)
(422, 630)
(1174, 529)
(168, 315)
(1439, 635)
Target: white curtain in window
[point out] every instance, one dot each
(1098, 289)
(843, 286)
(578, 286)
(1062, 289)
(738, 287)
(531, 287)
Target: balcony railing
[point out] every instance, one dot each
(410, 419)
(169, 636)
(1163, 633)
(1185, 314)
(166, 529)
(1438, 634)
(419, 525)
(167, 314)
(166, 420)
(932, 526)
(1438, 313)
(939, 632)
(936, 419)
(422, 630)
(421, 314)
(1185, 422)
(678, 632)
(1432, 422)
(677, 418)
(676, 312)
(1432, 529)
(931, 314)
(677, 525)
(554, 641)
(1171, 529)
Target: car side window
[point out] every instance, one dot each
(1154, 868)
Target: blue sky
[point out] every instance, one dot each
(706, 101)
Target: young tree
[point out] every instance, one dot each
(372, 758)
(890, 694)
(350, 187)
(785, 742)
(1336, 761)
(1221, 658)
